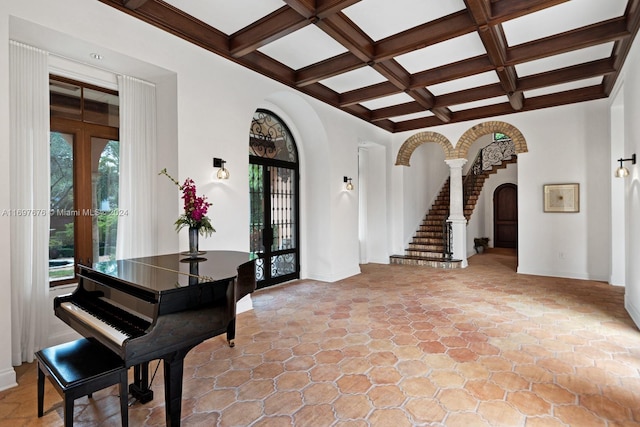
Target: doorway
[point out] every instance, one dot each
(274, 200)
(505, 216)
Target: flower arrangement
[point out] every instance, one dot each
(195, 208)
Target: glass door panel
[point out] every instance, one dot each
(62, 214)
(105, 167)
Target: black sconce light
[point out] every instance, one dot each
(349, 185)
(621, 172)
(223, 173)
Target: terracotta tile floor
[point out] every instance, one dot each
(399, 346)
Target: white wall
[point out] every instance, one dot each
(481, 222)
(566, 144)
(206, 104)
(421, 184)
(630, 91)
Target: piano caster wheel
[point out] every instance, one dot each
(232, 343)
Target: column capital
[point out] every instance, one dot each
(456, 163)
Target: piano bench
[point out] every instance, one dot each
(80, 368)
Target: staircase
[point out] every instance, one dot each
(427, 247)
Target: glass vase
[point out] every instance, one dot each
(193, 242)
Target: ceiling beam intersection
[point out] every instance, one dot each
(278, 24)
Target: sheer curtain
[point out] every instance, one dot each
(29, 151)
(138, 172)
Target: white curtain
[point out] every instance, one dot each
(29, 174)
(138, 172)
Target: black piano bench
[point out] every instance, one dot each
(80, 368)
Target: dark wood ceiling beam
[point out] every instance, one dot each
(602, 67)
(306, 8)
(422, 97)
(480, 10)
(326, 8)
(133, 4)
(345, 32)
(456, 70)
(622, 47)
(469, 95)
(495, 44)
(564, 98)
(174, 21)
(378, 90)
(393, 72)
(540, 102)
(516, 99)
(505, 10)
(415, 124)
(263, 64)
(396, 110)
(328, 68)
(448, 27)
(278, 24)
(426, 99)
(591, 35)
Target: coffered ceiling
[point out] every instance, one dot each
(411, 64)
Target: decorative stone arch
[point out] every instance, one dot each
(470, 136)
(413, 142)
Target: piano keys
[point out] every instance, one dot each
(158, 307)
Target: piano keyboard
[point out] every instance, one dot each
(109, 331)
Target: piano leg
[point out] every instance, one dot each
(140, 388)
(173, 372)
(231, 332)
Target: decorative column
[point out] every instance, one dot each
(456, 210)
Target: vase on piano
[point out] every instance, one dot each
(193, 242)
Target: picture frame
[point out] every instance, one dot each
(562, 198)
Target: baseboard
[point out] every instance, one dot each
(562, 274)
(7, 379)
(335, 276)
(634, 313)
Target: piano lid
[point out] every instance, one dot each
(164, 273)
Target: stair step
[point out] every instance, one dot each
(426, 247)
(419, 247)
(427, 240)
(424, 254)
(426, 262)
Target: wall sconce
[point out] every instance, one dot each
(621, 172)
(223, 173)
(349, 185)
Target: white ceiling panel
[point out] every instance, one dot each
(563, 17)
(411, 116)
(412, 43)
(444, 53)
(228, 16)
(387, 101)
(383, 18)
(362, 77)
(293, 50)
(481, 103)
(563, 87)
(568, 59)
(490, 77)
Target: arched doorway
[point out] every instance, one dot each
(505, 216)
(274, 200)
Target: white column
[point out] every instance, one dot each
(456, 210)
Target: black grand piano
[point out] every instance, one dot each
(158, 307)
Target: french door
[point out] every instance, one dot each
(274, 201)
(274, 224)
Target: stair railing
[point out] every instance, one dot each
(447, 239)
(491, 155)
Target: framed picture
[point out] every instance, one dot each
(562, 197)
